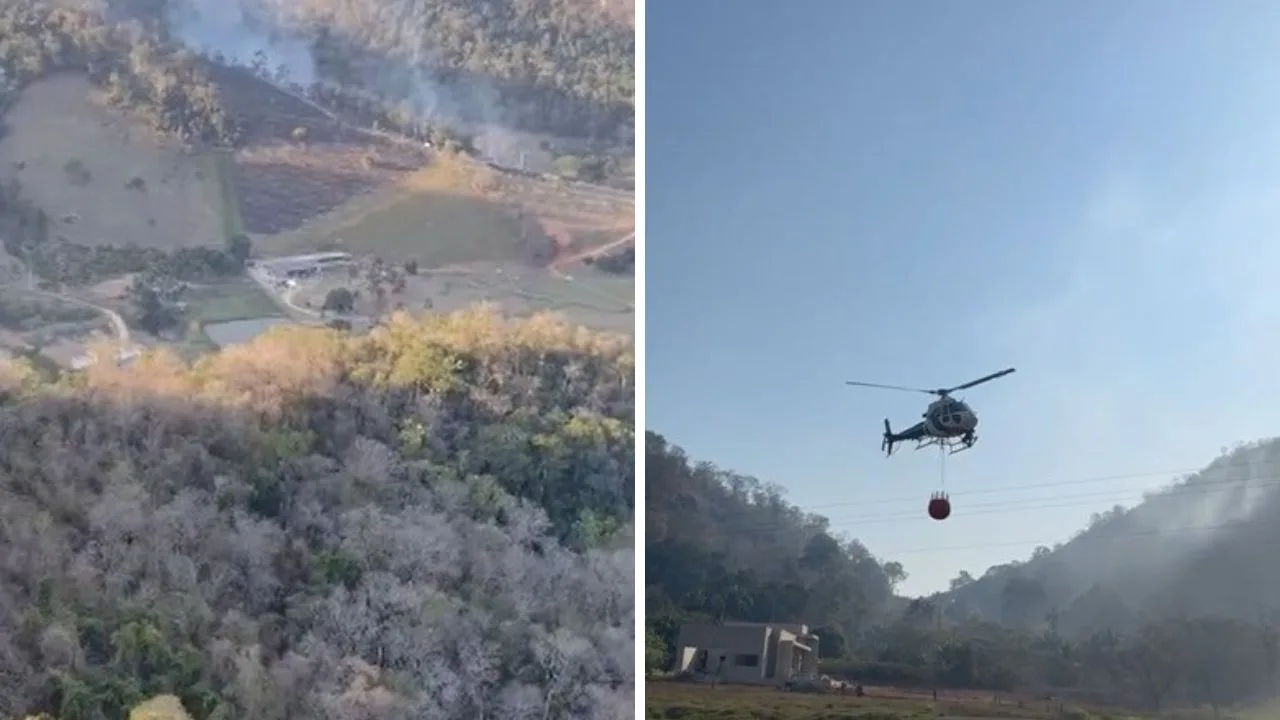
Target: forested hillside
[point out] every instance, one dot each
(1200, 546)
(1176, 602)
(564, 67)
(433, 520)
(723, 546)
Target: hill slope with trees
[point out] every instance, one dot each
(1175, 602)
(719, 545)
(159, 81)
(564, 67)
(433, 520)
(1199, 546)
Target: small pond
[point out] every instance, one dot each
(236, 332)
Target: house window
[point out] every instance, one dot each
(747, 661)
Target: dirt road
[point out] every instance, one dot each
(560, 264)
(118, 324)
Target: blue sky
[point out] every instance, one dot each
(921, 193)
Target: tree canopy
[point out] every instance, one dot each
(719, 546)
(431, 520)
(559, 66)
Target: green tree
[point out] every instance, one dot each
(339, 300)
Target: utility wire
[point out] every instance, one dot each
(1203, 488)
(1083, 538)
(1176, 473)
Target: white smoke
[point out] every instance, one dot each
(1230, 491)
(237, 32)
(279, 31)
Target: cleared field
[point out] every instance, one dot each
(428, 219)
(598, 302)
(576, 216)
(103, 177)
(240, 299)
(297, 160)
(456, 212)
(687, 701)
(222, 166)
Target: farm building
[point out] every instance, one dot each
(296, 266)
(740, 652)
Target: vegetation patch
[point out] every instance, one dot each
(238, 299)
(667, 700)
(305, 502)
(24, 312)
(222, 167)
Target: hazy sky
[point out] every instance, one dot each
(921, 193)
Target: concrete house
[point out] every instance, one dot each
(740, 652)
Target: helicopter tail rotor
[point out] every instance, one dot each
(887, 444)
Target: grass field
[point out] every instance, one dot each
(665, 700)
(222, 167)
(456, 212)
(437, 216)
(436, 229)
(105, 178)
(239, 299)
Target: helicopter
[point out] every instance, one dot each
(948, 423)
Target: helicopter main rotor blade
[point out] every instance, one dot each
(890, 387)
(980, 380)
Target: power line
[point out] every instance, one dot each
(1082, 538)
(1204, 487)
(1084, 500)
(1175, 473)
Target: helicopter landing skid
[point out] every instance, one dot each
(950, 445)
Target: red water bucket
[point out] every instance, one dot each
(939, 506)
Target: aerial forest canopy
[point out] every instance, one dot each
(563, 67)
(1173, 602)
(431, 520)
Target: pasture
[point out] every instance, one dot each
(236, 299)
(668, 700)
(103, 177)
(455, 212)
(431, 217)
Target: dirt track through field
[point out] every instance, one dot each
(561, 263)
